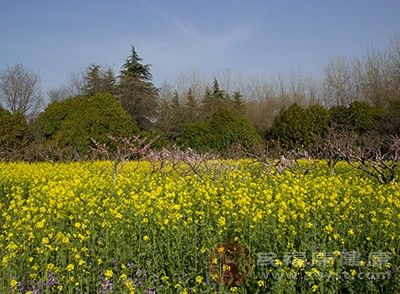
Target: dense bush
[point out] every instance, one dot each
(222, 131)
(14, 131)
(292, 127)
(360, 116)
(75, 121)
(197, 135)
(390, 124)
(319, 122)
(339, 117)
(364, 117)
(297, 127)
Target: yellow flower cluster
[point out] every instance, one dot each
(72, 220)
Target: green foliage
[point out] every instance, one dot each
(191, 108)
(218, 94)
(208, 104)
(133, 67)
(213, 100)
(198, 135)
(157, 138)
(237, 102)
(176, 116)
(138, 95)
(391, 121)
(75, 121)
(233, 130)
(365, 117)
(297, 128)
(292, 127)
(99, 80)
(360, 116)
(14, 131)
(50, 121)
(222, 131)
(339, 117)
(319, 121)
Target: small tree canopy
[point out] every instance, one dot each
(14, 131)
(221, 132)
(99, 80)
(137, 93)
(292, 127)
(75, 121)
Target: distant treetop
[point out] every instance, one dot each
(134, 68)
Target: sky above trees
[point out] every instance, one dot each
(253, 37)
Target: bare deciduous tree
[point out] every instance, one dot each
(190, 79)
(376, 157)
(371, 78)
(72, 87)
(338, 83)
(19, 90)
(393, 65)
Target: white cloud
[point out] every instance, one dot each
(188, 47)
(218, 41)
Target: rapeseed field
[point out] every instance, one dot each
(69, 228)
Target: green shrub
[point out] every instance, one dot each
(319, 121)
(360, 116)
(75, 121)
(198, 135)
(391, 122)
(14, 131)
(365, 117)
(340, 117)
(292, 127)
(222, 131)
(297, 127)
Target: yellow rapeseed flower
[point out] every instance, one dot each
(70, 267)
(13, 283)
(108, 274)
(199, 279)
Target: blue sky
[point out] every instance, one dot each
(55, 38)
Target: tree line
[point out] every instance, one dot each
(293, 112)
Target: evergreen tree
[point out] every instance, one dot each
(98, 80)
(177, 120)
(237, 102)
(134, 68)
(138, 95)
(213, 100)
(390, 124)
(14, 131)
(176, 109)
(292, 127)
(207, 104)
(191, 106)
(92, 80)
(364, 117)
(319, 122)
(73, 122)
(221, 132)
(109, 81)
(218, 94)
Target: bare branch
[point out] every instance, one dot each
(19, 90)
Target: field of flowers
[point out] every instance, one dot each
(68, 228)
